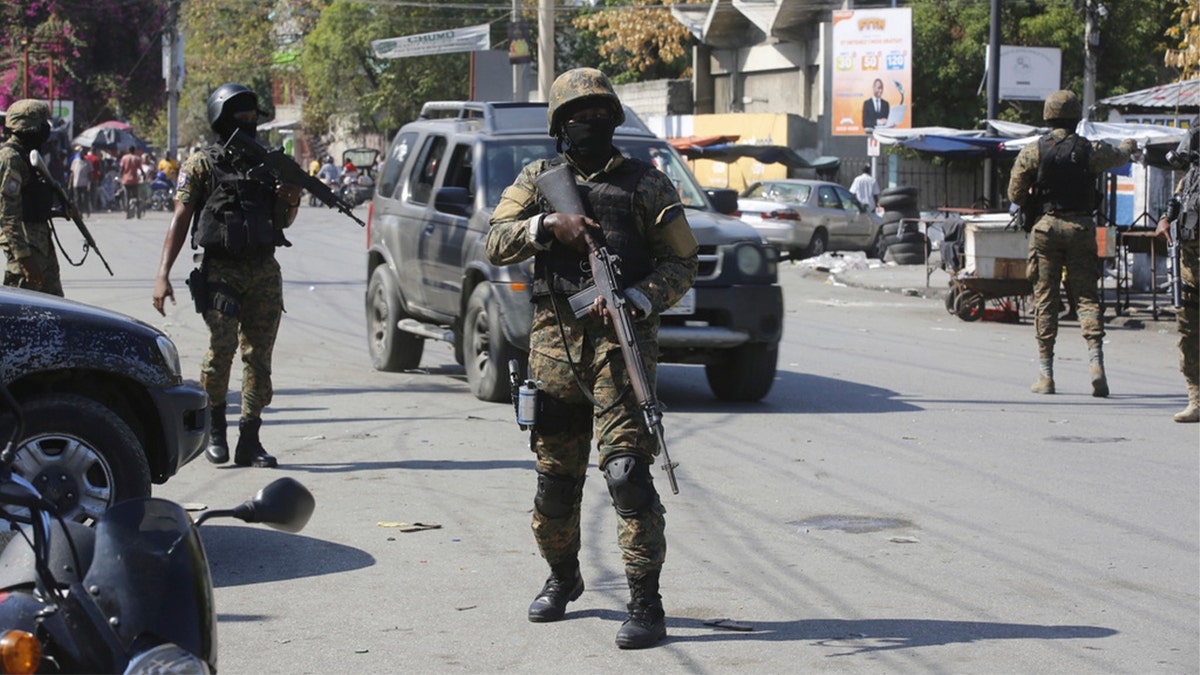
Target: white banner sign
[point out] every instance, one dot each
(1028, 73)
(469, 39)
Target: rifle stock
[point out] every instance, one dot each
(36, 161)
(558, 186)
(286, 170)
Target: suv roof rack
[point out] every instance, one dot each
(509, 117)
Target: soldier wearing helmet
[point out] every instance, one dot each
(1183, 212)
(238, 220)
(577, 360)
(26, 202)
(1056, 179)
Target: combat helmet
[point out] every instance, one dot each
(577, 85)
(27, 115)
(228, 99)
(1062, 105)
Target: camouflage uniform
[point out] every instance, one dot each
(25, 243)
(593, 348)
(1064, 239)
(1188, 316)
(256, 284)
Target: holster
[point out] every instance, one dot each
(197, 283)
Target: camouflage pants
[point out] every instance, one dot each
(47, 264)
(1056, 243)
(1188, 317)
(251, 323)
(615, 419)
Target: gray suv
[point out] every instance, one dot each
(428, 277)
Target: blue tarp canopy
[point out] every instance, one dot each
(959, 147)
(767, 154)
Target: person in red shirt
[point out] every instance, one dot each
(131, 176)
(94, 184)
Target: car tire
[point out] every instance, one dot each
(951, 299)
(818, 244)
(392, 350)
(745, 374)
(486, 350)
(80, 455)
(889, 229)
(908, 190)
(898, 202)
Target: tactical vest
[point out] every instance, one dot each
(1189, 205)
(1066, 185)
(237, 216)
(37, 196)
(610, 203)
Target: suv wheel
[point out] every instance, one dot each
(746, 374)
(80, 455)
(485, 349)
(392, 349)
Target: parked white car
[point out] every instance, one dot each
(805, 218)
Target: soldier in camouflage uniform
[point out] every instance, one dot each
(577, 362)
(1059, 173)
(1186, 208)
(238, 221)
(26, 204)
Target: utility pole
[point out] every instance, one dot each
(172, 65)
(1091, 43)
(545, 48)
(993, 90)
(519, 70)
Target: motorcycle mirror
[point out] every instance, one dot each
(285, 505)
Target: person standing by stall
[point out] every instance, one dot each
(1059, 173)
(1185, 211)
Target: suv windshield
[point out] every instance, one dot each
(505, 159)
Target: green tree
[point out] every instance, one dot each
(950, 38)
(1183, 52)
(342, 76)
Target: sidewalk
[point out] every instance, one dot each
(854, 269)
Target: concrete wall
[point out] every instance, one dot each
(657, 97)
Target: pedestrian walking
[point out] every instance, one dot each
(1059, 174)
(238, 287)
(27, 202)
(81, 182)
(865, 188)
(577, 362)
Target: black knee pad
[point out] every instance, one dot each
(629, 485)
(556, 495)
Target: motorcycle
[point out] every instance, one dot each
(132, 596)
(356, 188)
(162, 193)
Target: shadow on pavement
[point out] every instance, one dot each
(240, 556)
(685, 389)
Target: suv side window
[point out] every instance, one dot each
(459, 173)
(394, 162)
(425, 172)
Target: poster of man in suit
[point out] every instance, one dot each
(872, 70)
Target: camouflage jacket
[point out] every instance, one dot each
(661, 222)
(22, 238)
(1025, 169)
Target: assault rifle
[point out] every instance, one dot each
(558, 186)
(36, 161)
(1173, 215)
(285, 169)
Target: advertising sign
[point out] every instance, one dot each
(468, 39)
(872, 70)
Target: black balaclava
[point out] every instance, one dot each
(238, 104)
(33, 140)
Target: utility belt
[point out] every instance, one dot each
(207, 294)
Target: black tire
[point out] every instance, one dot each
(486, 350)
(818, 244)
(392, 350)
(968, 306)
(746, 374)
(908, 252)
(892, 216)
(951, 298)
(898, 202)
(80, 455)
(879, 247)
(899, 190)
(889, 229)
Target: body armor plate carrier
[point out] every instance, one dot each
(237, 217)
(1066, 183)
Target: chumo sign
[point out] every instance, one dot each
(468, 39)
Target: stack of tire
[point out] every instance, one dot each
(899, 235)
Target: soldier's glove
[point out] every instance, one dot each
(568, 229)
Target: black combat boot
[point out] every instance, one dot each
(217, 451)
(249, 451)
(647, 623)
(564, 585)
